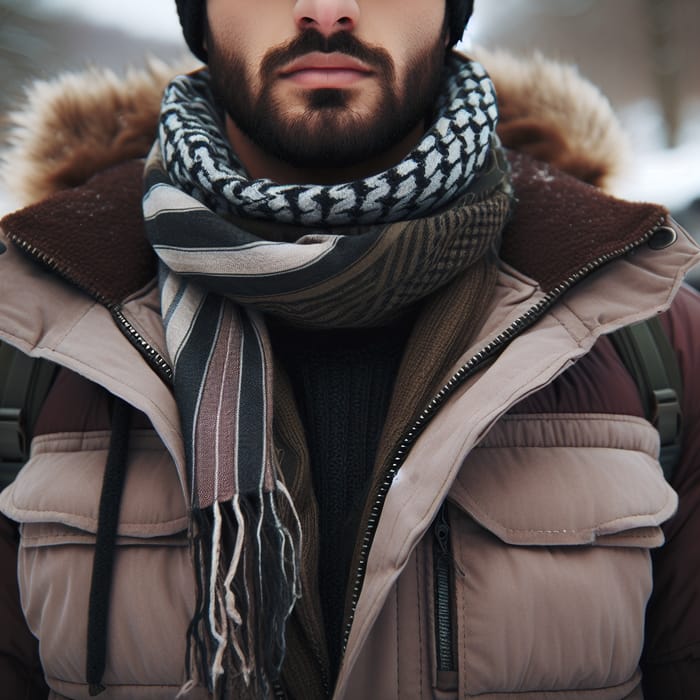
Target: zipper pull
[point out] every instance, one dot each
(441, 530)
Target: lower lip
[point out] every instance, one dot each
(326, 78)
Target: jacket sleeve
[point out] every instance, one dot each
(671, 663)
(20, 669)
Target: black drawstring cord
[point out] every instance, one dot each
(103, 562)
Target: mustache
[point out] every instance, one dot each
(341, 42)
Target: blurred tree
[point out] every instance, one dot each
(633, 49)
(668, 63)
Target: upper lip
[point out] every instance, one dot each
(325, 61)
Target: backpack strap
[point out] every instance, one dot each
(24, 383)
(646, 351)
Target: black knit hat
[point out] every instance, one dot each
(192, 14)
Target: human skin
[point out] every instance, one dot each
(349, 101)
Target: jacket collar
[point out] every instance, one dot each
(562, 228)
(92, 235)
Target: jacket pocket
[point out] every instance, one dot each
(550, 524)
(56, 501)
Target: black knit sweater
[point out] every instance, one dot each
(342, 381)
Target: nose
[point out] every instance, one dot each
(326, 16)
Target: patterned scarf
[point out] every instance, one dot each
(443, 165)
(218, 280)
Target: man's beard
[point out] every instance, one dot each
(328, 133)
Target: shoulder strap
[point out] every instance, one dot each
(650, 358)
(24, 383)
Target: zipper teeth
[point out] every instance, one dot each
(488, 352)
(443, 621)
(443, 612)
(443, 618)
(158, 361)
(152, 355)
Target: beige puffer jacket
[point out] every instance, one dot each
(511, 558)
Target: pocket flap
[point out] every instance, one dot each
(567, 480)
(62, 483)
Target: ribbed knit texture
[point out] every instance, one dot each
(343, 382)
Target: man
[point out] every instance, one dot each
(337, 416)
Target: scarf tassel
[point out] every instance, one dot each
(247, 564)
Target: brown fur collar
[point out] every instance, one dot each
(79, 124)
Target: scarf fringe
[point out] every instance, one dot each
(248, 560)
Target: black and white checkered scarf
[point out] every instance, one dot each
(369, 249)
(200, 162)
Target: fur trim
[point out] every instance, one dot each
(549, 111)
(78, 124)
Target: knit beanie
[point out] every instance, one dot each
(192, 15)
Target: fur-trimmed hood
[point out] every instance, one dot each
(78, 124)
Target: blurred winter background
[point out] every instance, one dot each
(644, 54)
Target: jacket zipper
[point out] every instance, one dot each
(488, 353)
(155, 359)
(442, 561)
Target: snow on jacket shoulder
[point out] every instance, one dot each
(512, 555)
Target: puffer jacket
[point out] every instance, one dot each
(507, 553)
